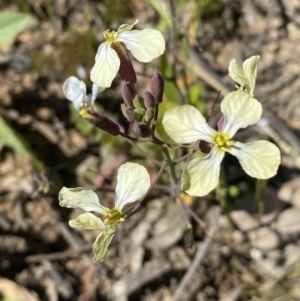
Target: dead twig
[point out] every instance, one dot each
(70, 253)
(202, 249)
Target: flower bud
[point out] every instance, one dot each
(157, 87)
(100, 121)
(205, 147)
(141, 129)
(127, 113)
(128, 93)
(149, 115)
(138, 102)
(148, 100)
(126, 70)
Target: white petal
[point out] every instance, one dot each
(201, 176)
(87, 221)
(236, 72)
(185, 124)
(250, 71)
(145, 45)
(106, 66)
(133, 182)
(126, 27)
(95, 91)
(259, 159)
(81, 197)
(102, 243)
(240, 110)
(75, 91)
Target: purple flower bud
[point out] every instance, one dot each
(205, 147)
(100, 121)
(149, 115)
(126, 70)
(128, 93)
(157, 87)
(128, 113)
(141, 129)
(148, 100)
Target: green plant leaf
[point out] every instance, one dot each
(12, 139)
(11, 24)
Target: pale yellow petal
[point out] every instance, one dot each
(102, 243)
(185, 124)
(250, 72)
(236, 72)
(87, 221)
(126, 27)
(240, 110)
(106, 66)
(245, 76)
(259, 159)
(80, 197)
(145, 45)
(201, 176)
(133, 182)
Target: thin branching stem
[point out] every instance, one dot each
(170, 163)
(129, 137)
(162, 168)
(153, 159)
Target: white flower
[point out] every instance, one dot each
(185, 124)
(145, 45)
(75, 90)
(245, 76)
(133, 182)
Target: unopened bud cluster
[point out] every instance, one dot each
(141, 110)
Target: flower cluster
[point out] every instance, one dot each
(141, 110)
(184, 124)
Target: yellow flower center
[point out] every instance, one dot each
(110, 36)
(222, 141)
(83, 111)
(114, 217)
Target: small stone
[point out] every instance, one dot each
(264, 239)
(238, 237)
(286, 192)
(268, 218)
(243, 220)
(179, 259)
(288, 222)
(296, 198)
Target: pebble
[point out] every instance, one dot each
(288, 222)
(243, 220)
(263, 239)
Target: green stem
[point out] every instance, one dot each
(162, 168)
(128, 137)
(260, 186)
(170, 163)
